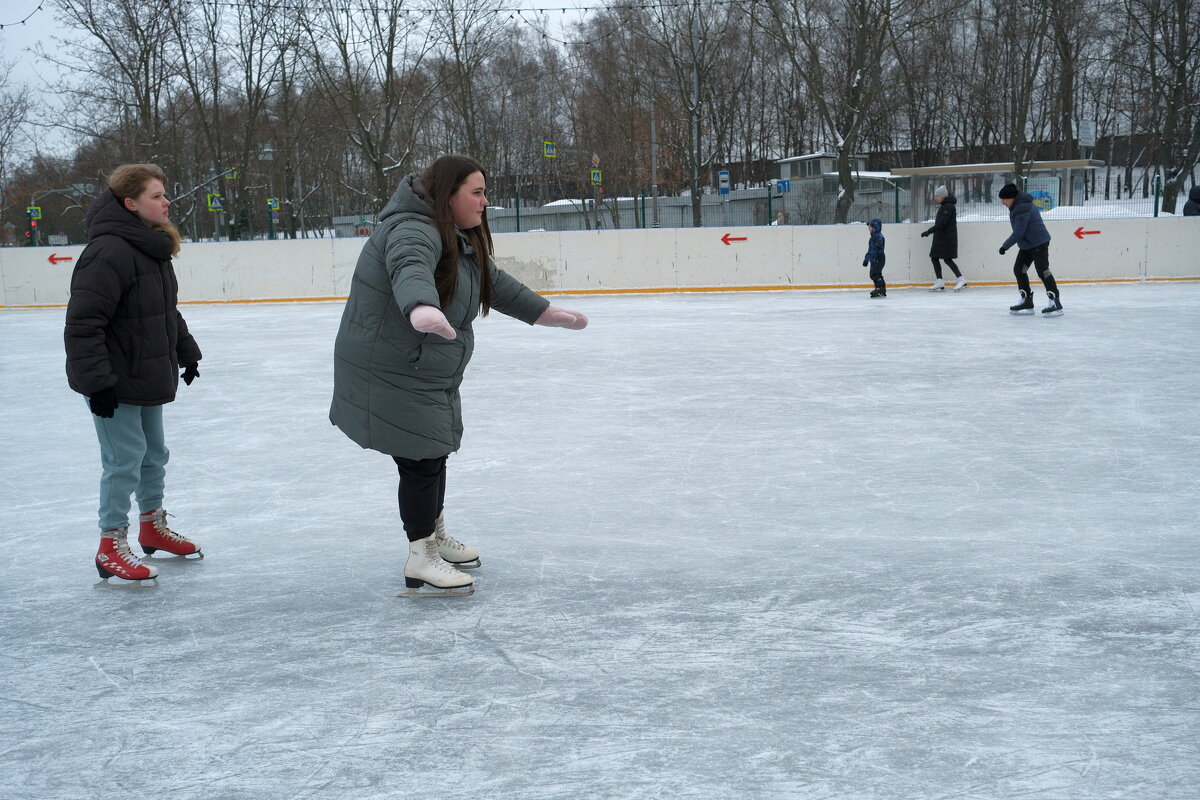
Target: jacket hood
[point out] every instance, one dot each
(876, 225)
(949, 200)
(109, 217)
(1194, 194)
(408, 199)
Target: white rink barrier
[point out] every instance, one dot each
(662, 260)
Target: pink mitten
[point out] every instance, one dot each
(557, 317)
(430, 319)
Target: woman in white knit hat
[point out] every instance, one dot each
(945, 240)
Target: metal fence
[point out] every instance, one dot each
(1091, 194)
(1075, 196)
(804, 205)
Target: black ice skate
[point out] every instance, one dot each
(1055, 308)
(1023, 307)
(879, 293)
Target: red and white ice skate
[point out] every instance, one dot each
(154, 535)
(114, 559)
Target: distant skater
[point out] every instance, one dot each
(1030, 236)
(1192, 207)
(875, 257)
(405, 341)
(126, 342)
(945, 240)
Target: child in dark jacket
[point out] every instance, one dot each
(875, 257)
(1029, 234)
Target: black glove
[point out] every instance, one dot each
(104, 403)
(864, 263)
(190, 373)
(926, 233)
(1002, 249)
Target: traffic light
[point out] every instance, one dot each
(32, 215)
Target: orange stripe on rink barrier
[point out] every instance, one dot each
(670, 290)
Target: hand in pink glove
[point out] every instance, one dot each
(430, 319)
(556, 317)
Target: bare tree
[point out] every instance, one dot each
(684, 49)
(1017, 44)
(1165, 34)
(367, 62)
(121, 71)
(321, 104)
(14, 112)
(468, 36)
(840, 50)
(523, 110)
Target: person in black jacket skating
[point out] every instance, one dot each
(1192, 207)
(125, 341)
(1030, 236)
(945, 240)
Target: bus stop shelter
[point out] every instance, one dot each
(1064, 182)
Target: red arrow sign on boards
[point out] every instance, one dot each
(55, 258)
(1080, 232)
(728, 238)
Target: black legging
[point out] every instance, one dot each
(1039, 257)
(422, 494)
(937, 267)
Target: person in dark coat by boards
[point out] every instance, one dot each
(1192, 207)
(406, 338)
(125, 341)
(875, 257)
(945, 240)
(1029, 234)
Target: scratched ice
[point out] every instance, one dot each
(787, 545)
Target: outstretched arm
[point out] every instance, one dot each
(558, 317)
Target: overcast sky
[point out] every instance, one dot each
(17, 41)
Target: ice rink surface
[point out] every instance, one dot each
(758, 545)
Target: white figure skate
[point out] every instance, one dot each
(426, 567)
(452, 551)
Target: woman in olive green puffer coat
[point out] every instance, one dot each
(405, 341)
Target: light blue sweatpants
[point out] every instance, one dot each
(133, 457)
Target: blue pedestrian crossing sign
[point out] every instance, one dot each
(549, 150)
(273, 203)
(596, 177)
(216, 203)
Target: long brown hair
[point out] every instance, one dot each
(129, 180)
(439, 182)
